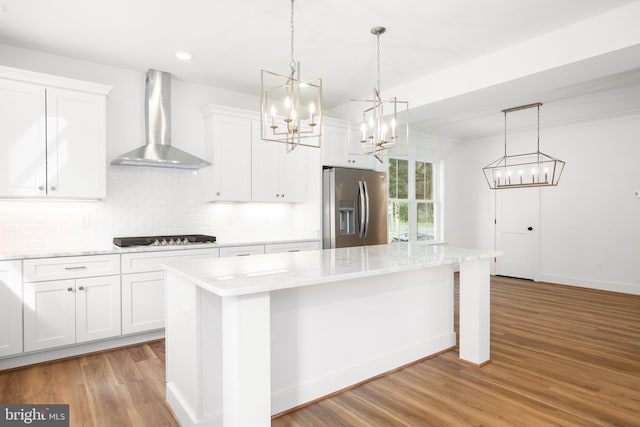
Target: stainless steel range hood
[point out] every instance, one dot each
(158, 152)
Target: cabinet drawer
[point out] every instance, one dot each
(36, 270)
(150, 261)
(242, 250)
(291, 247)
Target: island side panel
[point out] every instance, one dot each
(246, 361)
(475, 300)
(328, 337)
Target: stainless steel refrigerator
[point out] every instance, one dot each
(354, 209)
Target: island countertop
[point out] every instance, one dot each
(264, 273)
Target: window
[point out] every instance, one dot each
(413, 205)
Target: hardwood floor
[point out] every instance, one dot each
(560, 356)
(123, 387)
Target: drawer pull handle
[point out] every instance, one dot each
(294, 250)
(243, 254)
(82, 267)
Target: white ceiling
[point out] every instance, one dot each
(232, 40)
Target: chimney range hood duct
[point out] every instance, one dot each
(158, 152)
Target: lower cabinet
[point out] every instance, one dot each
(142, 302)
(143, 286)
(63, 312)
(10, 308)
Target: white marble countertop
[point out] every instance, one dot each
(264, 273)
(133, 249)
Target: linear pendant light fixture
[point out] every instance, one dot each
(535, 169)
(382, 123)
(291, 108)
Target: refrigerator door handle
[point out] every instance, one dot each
(366, 199)
(362, 208)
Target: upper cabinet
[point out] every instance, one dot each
(52, 136)
(246, 168)
(337, 150)
(278, 174)
(228, 148)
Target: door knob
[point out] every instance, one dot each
(530, 228)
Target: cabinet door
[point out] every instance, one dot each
(277, 174)
(76, 132)
(97, 308)
(292, 178)
(22, 140)
(337, 149)
(230, 147)
(142, 302)
(265, 176)
(49, 314)
(10, 308)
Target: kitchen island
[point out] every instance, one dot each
(249, 337)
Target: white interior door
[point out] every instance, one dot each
(517, 221)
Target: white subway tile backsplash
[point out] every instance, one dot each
(140, 201)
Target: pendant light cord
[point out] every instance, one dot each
(378, 87)
(292, 62)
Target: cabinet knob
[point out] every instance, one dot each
(282, 195)
(41, 188)
(53, 188)
(81, 288)
(218, 193)
(70, 289)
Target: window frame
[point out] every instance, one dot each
(436, 200)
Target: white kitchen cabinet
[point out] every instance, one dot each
(228, 148)
(64, 312)
(273, 248)
(246, 250)
(52, 135)
(76, 144)
(70, 267)
(10, 308)
(22, 139)
(143, 286)
(68, 300)
(278, 174)
(142, 302)
(337, 149)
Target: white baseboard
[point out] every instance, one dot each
(627, 288)
(185, 415)
(294, 396)
(25, 359)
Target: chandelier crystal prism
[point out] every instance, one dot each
(291, 108)
(535, 169)
(378, 124)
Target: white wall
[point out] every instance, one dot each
(590, 223)
(144, 201)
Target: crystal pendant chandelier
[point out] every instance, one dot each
(535, 169)
(381, 123)
(291, 108)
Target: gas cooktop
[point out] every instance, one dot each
(175, 240)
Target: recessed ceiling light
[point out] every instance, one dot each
(185, 56)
